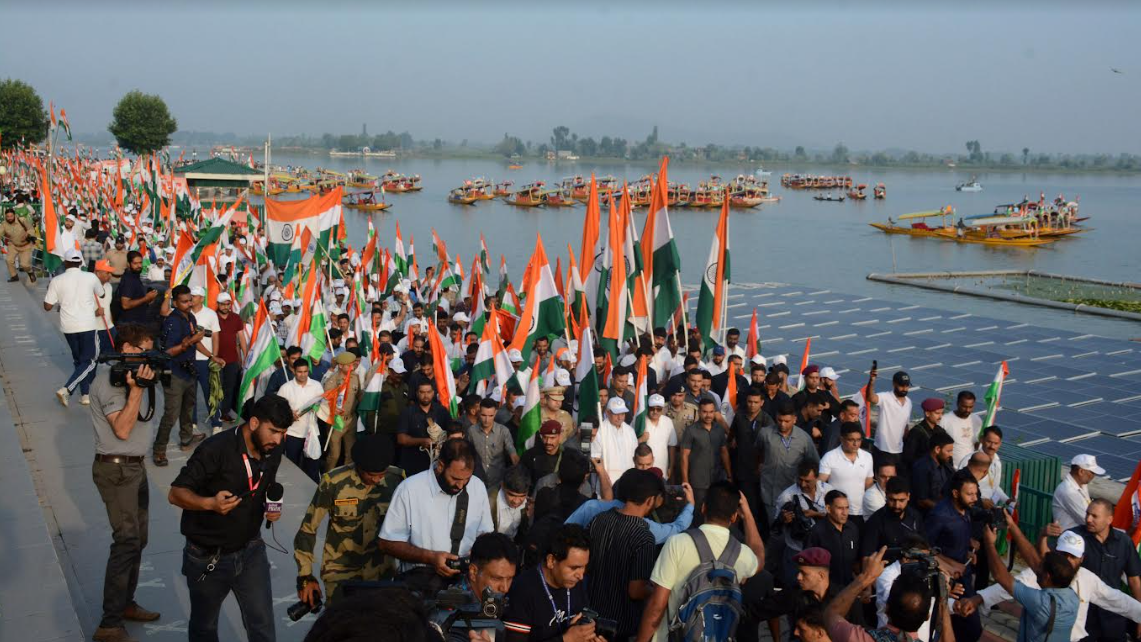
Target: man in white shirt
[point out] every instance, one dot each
(302, 392)
(963, 425)
(719, 363)
(991, 483)
(875, 497)
(722, 508)
(1071, 498)
(207, 319)
(849, 469)
(417, 529)
(509, 503)
(615, 441)
(157, 270)
(1089, 587)
(894, 416)
(104, 272)
(659, 434)
(77, 293)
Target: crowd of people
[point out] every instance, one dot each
(704, 491)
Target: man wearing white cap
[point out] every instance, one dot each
(207, 319)
(615, 441)
(157, 270)
(1071, 498)
(77, 293)
(1091, 590)
(659, 434)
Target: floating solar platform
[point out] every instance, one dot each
(1067, 392)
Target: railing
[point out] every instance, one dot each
(1040, 475)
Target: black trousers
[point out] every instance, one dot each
(126, 496)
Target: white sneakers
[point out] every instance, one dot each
(62, 395)
(85, 400)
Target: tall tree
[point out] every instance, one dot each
(22, 114)
(1025, 155)
(141, 123)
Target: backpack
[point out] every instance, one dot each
(710, 605)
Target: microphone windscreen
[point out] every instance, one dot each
(274, 492)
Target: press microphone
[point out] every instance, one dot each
(274, 494)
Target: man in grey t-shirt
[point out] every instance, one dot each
(493, 443)
(119, 472)
(704, 450)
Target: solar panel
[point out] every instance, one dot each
(1102, 444)
(1069, 414)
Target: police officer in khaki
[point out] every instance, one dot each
(356, 499)
(18, 237)
(117, 257)
(553, 411)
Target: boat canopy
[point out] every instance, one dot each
(927, 214)
(999, 220)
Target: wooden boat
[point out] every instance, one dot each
(992, 231)
(920, 227)
(879, 192)
(503, 189)
(360, 180)
(829, 197)
(365, 201)
(809, 181)
(557, 198)
(514, 167)
(399, 183)
(970, 186)
(482, 189)
(857, 193)
(577, 187)
(256, 189)
(530, 196)
(462, 196)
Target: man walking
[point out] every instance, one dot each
(77, 294)
(179, 337)
(121, 441)
(704, 449)
(18, 236)
(229, 346)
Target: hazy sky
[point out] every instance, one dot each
(873, 75)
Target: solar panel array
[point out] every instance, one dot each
(1067, 393)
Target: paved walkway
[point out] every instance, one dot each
(53, 581)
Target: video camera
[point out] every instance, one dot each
(800, 525)
(448, 606)
(989, 516)
(122, 363)
(921, 563)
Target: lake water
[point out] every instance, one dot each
(799, 240)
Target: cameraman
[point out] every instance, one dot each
(546, 603)
(119, 472)
(808, 494)
(913, 545)
(493, 561)
(908, 606)
(949, 528)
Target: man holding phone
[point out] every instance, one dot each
(222, 490)
(179, 337)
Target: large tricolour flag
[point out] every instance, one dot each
(660, 259)
(641, 397)
(532, 417)
(491, 357)
(264, 352)
(445, 382)
(994, 395)
(585, 374)
(712, 300)
(543, 312)
(55, 250)
(286, 219)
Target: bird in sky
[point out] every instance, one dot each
(1116, 71)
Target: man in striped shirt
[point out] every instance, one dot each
(623, 552)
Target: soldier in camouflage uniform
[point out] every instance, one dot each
(356, 500)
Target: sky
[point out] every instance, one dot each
(890, 75)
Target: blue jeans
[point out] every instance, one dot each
(84, 350)
(244, 572)
(203, 368)
(295, 452)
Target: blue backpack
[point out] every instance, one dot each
(710, 600)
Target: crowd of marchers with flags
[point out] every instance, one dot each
(646, 465)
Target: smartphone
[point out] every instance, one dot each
(875, 365)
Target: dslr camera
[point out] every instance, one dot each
(602, 626)
(800, 525)
(988, 516)
(300, 609)
(454, 608)
(121, 364)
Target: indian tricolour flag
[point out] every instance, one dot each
(263, 354)
(491, 358)
(370, 398)
(543, 312)
(286, 219)
(399, 258)
(660, 258)
(53, 258)
(585, 374)
(641, 396)
(445, 381)
(713, 299)
(185, 265)
(532, 417)
(804, 364)
(994, 395)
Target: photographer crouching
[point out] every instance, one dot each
(222, 491)
(472, 611)
(123, 433)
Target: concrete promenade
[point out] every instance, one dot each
(54, 534)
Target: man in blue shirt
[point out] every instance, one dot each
(133, 295)
(1048, 613)
(948, 527)
(661, 532)
(179, 337)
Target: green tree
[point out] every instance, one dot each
(799, 153)
(840, 153)
(141, 123)
(22, 114)
(559, 139)
(1025, 155)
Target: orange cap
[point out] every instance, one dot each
(103, 266)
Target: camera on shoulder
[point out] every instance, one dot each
(122, 363)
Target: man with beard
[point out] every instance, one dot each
(412, 428)
(435, 516)
(891, 525)
(963, 425)
(930, 475)
(133, 295)
(222, 491)
(895, 412)
(918, 439)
